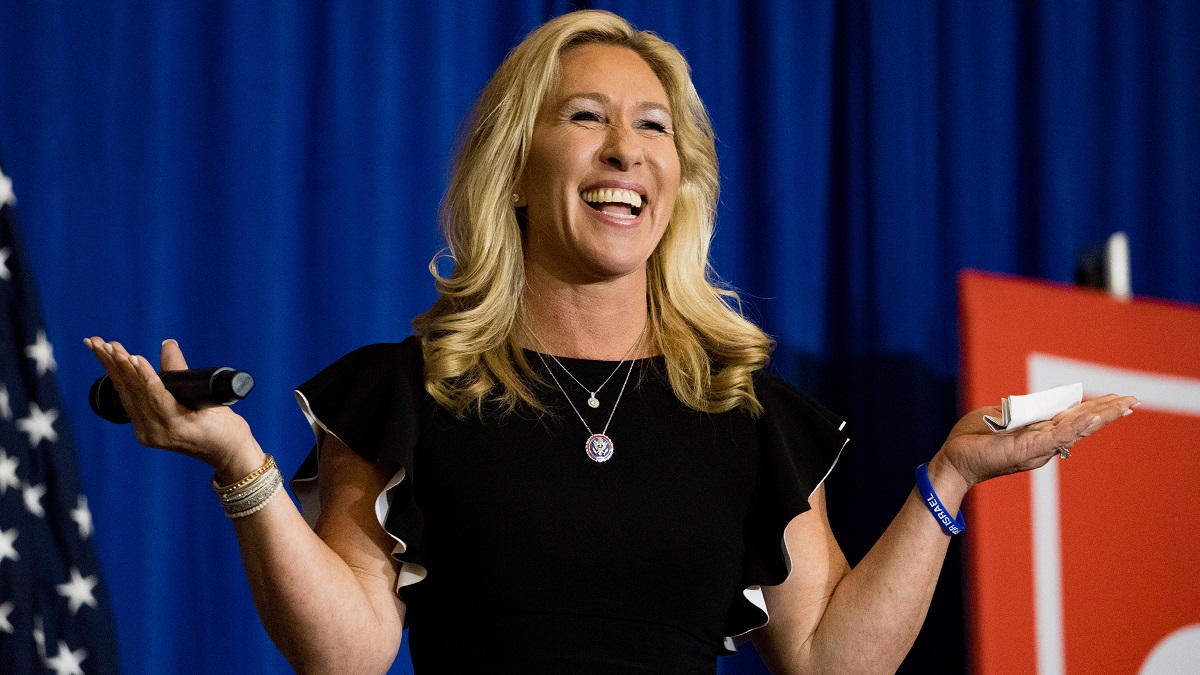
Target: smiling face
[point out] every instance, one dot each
(600, 180)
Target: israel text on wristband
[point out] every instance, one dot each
(949, 525)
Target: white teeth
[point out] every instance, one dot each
(612, 196)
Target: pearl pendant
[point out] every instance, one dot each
(593, 402)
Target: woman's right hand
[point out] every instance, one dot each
(217, 436)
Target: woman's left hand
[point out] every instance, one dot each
(977, 453)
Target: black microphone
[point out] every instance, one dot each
(195, 389)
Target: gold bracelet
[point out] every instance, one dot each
(267, 488)
(223, 490)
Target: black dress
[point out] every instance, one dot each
(522, 554)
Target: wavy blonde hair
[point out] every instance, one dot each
(469, 335)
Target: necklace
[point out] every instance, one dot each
(599, 447)
(592, 401)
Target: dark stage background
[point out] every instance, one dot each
(260, 181)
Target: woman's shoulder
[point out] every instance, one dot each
(778, 396)
(380, 372)
(366, 396)
(376, 354)
(376, 362)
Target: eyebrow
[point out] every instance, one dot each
(602, 99)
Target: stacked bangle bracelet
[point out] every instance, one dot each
(251, 493)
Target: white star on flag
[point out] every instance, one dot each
(8, 472)
(39, 425)
(82, 517)
(7, 196)
(6, 625)
(42, 352)
(32, 494)
(8, 550)
(41, 558)
(78, 591)
(39, 635)
(67, 662)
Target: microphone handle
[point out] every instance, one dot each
(196, 389)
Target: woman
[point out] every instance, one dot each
(578, 463)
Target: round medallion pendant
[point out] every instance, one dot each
(599, 447)
(593, 402)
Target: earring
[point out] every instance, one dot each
(516, 198)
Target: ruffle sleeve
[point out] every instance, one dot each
(799, 441)
(371, 399)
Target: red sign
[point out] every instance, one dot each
(1091, 564)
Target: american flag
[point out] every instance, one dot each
(54, 613)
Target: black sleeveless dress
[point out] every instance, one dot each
(522, 554)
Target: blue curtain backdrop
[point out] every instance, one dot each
(260, 181)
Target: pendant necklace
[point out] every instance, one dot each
(592, 401)
(599, 447)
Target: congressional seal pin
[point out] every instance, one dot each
(599, 447)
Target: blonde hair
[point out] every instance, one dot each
(469, 335)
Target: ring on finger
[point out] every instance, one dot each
(1063, 452)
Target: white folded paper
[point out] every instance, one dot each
(1018, 411)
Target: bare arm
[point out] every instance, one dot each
(828, 618)
(325, 597)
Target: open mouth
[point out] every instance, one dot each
(614, 201)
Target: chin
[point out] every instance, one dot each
(608, 270)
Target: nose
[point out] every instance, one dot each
(621, 150)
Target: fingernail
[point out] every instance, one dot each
(1135, 404)
(168, 340)
(107, 347)
(88, 342)
(1127, 413)
(133, 360)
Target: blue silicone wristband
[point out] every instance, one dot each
(951, 526)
